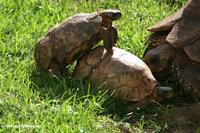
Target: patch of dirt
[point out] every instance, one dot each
(183, 119)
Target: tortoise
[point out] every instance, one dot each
(174, 49)
(68, 40)
(123, 73)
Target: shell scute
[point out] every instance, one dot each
(122, 73)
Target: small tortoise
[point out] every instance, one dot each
(174, 48)
(123, 73)
(68, 40)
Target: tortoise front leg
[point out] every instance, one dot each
(114, 35)
(57, 68)
(106, 36)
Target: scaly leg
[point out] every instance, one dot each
(114, 35)
(107, 39)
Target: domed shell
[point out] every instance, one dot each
(77, 28)
(122, 72)
(68, 39)
(187, 29)
(192, 51)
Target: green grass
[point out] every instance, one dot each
(59, 104)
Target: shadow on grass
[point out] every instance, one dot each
(55, 87)
(64, 87)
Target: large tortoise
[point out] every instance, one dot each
(123, 73)
(68, 40)
(174, 48)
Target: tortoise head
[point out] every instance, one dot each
(159, 59)
(159, 93)
(110, 14)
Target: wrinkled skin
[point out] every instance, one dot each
(175, 52)
(73, 37)
(187, 74)
(121, 72)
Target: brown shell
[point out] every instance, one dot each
(69, 39)
(122, 72)
(193, 50)
(185, 30)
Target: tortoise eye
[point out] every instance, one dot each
(154, 59)
(116, 15)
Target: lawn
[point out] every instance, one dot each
(31, 101)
